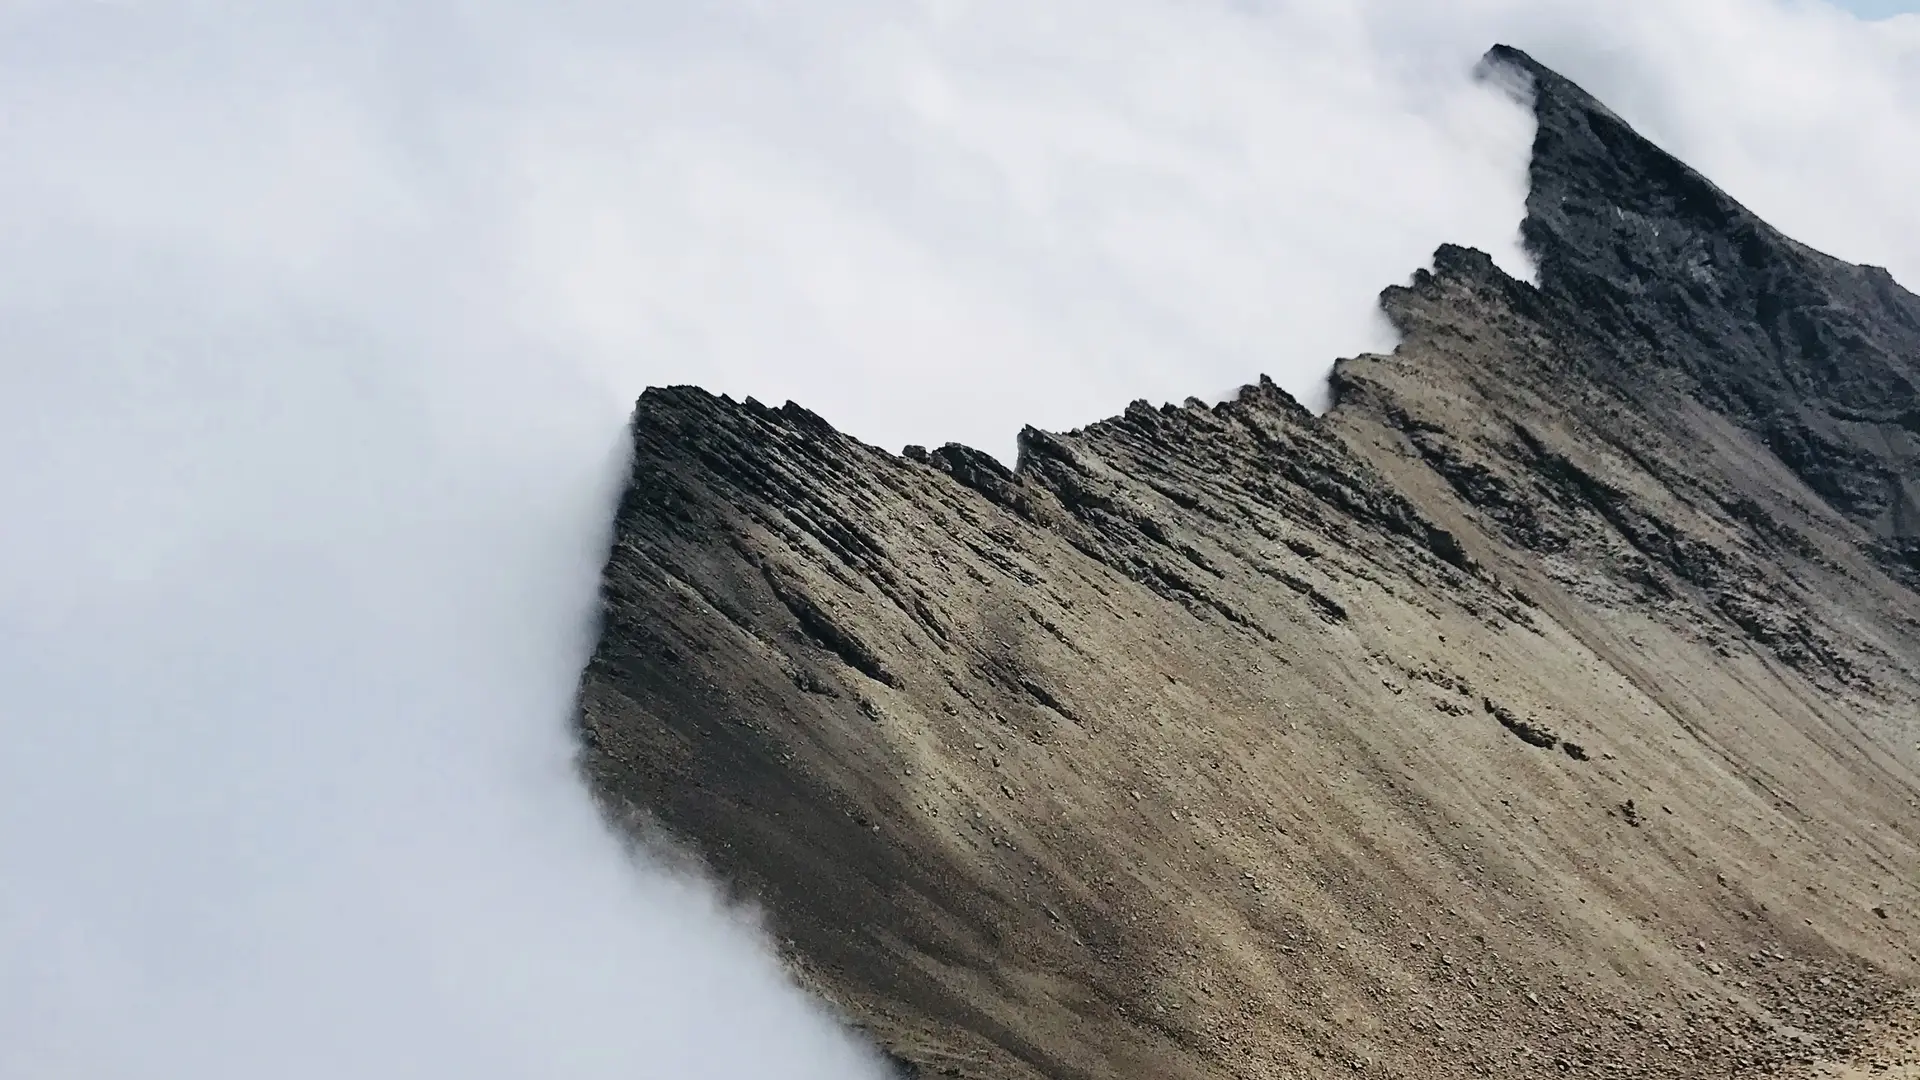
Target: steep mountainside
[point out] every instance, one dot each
(1549, 706)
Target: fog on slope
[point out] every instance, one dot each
(318, 324)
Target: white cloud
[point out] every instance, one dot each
(938, 221)
(318, 324)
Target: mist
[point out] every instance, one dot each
(319, 325)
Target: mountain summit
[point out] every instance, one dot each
(1550, 706)
(1815, 357)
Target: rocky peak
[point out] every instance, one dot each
(1818, 358)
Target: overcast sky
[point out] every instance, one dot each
(319, 323)
(1880, 9)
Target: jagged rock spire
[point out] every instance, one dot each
(1818, 358)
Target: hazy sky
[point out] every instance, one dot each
(319, 323)
(1880, 9)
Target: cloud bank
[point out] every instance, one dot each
(318, 325)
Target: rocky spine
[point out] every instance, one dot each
(1547, 707)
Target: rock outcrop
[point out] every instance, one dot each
(1550, 706)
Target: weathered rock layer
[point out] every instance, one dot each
(1550, 705)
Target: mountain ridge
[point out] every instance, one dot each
(1556, 686)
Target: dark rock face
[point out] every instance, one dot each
(1548, 706)
(1818, 358)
